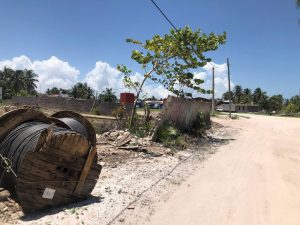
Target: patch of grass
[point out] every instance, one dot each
(96, 111)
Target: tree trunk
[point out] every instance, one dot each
(131, 123)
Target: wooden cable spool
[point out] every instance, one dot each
(58, 167)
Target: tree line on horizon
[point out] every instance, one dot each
(23, 83)
(84, 91)
(266, 103)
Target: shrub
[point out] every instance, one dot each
(96, 111)
(121, 116)
(200, 124)
(169, 136)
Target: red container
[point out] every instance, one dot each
(126, 98)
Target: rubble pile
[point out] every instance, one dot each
(9, 209)
(118, 140)
(115, 137)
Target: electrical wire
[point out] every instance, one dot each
(164, 15)
(170, 22)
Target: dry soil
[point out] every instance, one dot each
(254, 180)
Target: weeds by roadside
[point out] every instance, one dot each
(170, 136)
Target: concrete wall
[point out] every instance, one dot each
(183, 112)
(106, 108)
(59, 103)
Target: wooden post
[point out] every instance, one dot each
(229, 87)
(213, 92)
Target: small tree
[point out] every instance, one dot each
(276, 103)
(52, 91)
(82, 91)
(108, 95)
(291, 108)
(169, 59)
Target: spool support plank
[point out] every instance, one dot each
(85, 170)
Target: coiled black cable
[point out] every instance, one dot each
(24, 139)
(75, 125)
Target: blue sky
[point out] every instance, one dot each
(263, 37)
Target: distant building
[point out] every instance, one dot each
(224, 106)
(246, 108)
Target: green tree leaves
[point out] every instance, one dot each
(81, 91)
(171, 58)
(276, 103)
(108, 95)
(291, 109)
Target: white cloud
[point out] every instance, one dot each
(103, 76)
(21, 62)
(221, 78)
(52, 71)
(59, 73)
(201, 75)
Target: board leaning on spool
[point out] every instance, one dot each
(54, 158)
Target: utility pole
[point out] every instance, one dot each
(213, 92)
(229, 87)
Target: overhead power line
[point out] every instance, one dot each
(220, 67)
(170, 22)
(164, 15)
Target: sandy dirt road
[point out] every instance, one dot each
(254, 180)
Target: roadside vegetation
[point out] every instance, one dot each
(267, 104)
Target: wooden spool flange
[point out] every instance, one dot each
(89, 127)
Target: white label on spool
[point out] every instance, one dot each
(48, 193)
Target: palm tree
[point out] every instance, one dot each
(247, 96)
(6, 74)
(17, 81)
(257, 95)
(30, 79)
(5, 77)
(237, 94)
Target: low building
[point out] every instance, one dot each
(224, 106)
(246, 108)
